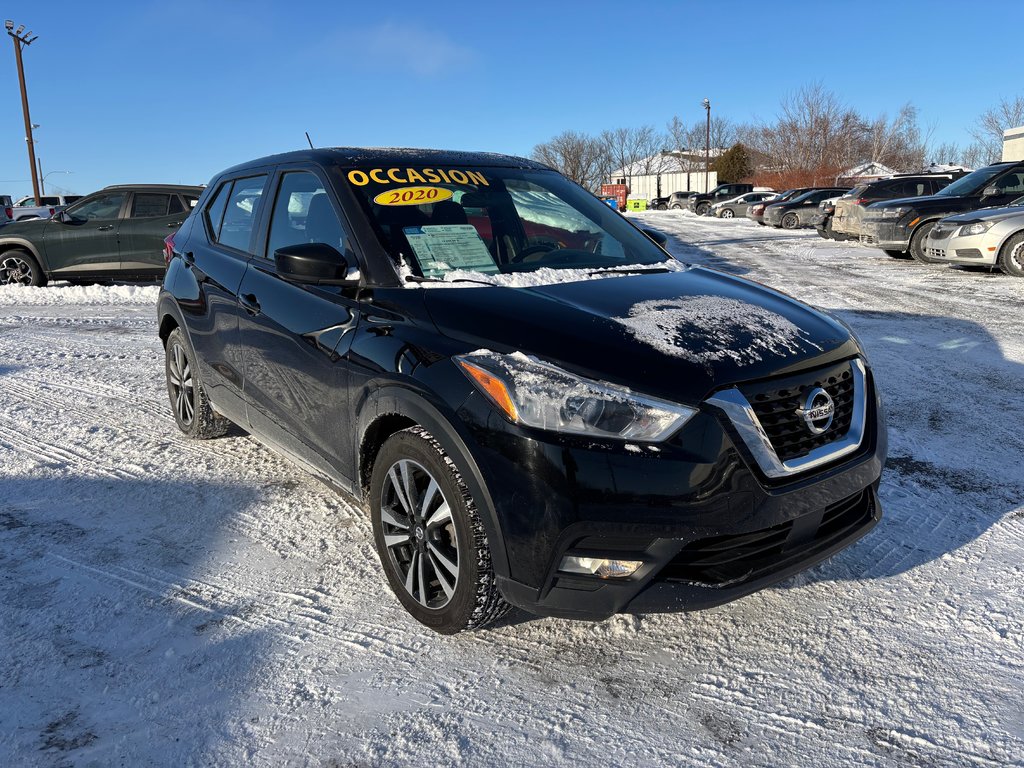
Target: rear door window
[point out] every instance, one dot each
(232, 213)
(148, 205)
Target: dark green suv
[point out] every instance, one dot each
(115, 234)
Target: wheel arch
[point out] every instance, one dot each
(1003, 241)
(22, 244)
(390, 409)
(169, 317)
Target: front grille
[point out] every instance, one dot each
(776, 403)
(937, 253)
(735, 558)
(868, 240)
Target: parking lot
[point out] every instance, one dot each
(207, 603)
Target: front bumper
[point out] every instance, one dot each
(969, 249)
(773, 217)
(889, 235)
(707, 523)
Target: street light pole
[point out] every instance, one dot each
(707, 147)
(20, 41)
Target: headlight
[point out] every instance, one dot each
(976, 228)
(894, 213)
(538, 394)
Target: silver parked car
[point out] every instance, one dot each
(989, 237)
(737, 206)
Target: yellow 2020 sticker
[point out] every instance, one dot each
(413, 196)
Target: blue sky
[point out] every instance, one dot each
(176, 91)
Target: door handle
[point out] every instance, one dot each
(105, 228)
(174, 224)
(250, 302)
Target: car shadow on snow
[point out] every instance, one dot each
(693, 254)
(112, 638)
(953, 410)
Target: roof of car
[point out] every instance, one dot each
(376, 157)
(183, 187)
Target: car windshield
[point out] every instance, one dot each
(972, 182)
(440, 221)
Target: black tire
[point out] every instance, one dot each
(917, 250)
(661, 207)
(763, 223)
(790, 221)
(703, 208)
(19, 267)
(418, 555)
(189, 404)
(1011, 256)
(727, 213)
(676, 207)
(897, 254)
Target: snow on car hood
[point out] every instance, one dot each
(676, 335)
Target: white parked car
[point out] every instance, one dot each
(990, 237)
(28, 208)
(737, 206)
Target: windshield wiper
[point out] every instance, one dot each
(630, 271)
(418, 279)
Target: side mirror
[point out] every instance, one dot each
(313, 264)
(991, 191)
(62, 216)
(659, 237)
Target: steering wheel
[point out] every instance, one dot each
(539, 248)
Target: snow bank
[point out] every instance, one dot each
(120, 295)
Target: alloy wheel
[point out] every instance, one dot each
(182, 385)
(14, 270)
(419, 534)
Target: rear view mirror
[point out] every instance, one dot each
(312, 263)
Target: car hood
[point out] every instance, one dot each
(927, 202)
(675, 335)
(989, 214)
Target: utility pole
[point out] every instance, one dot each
(42, 179)
(707, 148)
(20, 41)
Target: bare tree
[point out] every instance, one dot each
(636, 151)
(576, 156)
(896, 143)
(988, 132)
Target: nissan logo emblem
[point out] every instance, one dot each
(818, 411)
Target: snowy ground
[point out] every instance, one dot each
(170, 602)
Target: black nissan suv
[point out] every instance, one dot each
(900, 227)
(534, 402)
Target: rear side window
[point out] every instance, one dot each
(231, 214)
(240, 213)
(148, 204)
(175, 206)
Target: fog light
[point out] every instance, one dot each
(594, 566)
